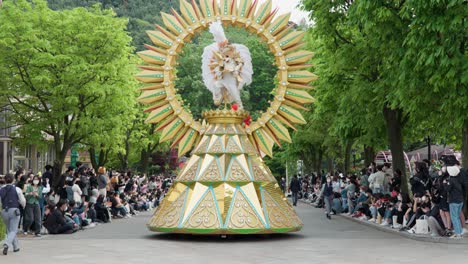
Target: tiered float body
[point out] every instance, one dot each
(225, 187)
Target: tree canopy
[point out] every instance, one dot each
(67, 75)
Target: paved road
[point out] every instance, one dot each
(320, 241)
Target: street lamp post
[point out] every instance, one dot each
(428, 141)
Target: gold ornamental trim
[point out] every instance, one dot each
(258, 17)
(225, 116)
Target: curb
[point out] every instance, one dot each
(422, 238)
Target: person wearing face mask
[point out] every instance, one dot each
(11, 198)
(400, 209)
(440, 194)
(456, 187)
(328, 196)
(350, 193)
(32, 211)
(55, 221)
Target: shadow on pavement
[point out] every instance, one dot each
(227, 239)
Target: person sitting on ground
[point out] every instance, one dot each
(102, 212)
(376, 204)
(364, 211)
(415, 213)
(91, 214)
(361, 198)
(434, 220)
(55, 221)
(337, 204)
(76, 212)
(117, 208)
(386, 211)
(128, 207)
(399, 210)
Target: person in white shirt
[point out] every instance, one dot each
(376, 180)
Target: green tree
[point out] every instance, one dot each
(362, 42)
(63, 72)
(142, 14)
(434, 68)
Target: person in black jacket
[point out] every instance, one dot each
(456, 188)
(421, 182)
(55, 220)
(294, 187)
(328, 196)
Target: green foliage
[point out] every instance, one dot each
(255, 97)
(67, 74)
(406, 56)
(2, 229)
(142, 14)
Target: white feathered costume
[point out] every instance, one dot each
(226, 67)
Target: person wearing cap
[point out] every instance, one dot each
(11, 198)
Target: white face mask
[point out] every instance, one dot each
(328, 181)
(35, 182)
(423, 198)
(66, 209)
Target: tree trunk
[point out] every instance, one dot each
(465, 144)
(319, 160)
(330, 166)
(103, 153)
(144, 157)
(369, 155)
(394, 124)
(347, 157)
(61, 151)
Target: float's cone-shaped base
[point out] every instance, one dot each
(225, 188)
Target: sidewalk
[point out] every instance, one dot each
(388, 229)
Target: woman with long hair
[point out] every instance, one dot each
(33, 214)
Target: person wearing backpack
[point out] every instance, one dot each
(11, 198)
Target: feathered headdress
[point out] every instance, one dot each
(216, 28)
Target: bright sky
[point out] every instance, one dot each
(286, 6)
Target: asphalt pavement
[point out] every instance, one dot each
(320, 241)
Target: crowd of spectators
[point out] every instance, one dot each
(82, 198)
(436, 197)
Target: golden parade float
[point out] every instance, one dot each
(225, 187)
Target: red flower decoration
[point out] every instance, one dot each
(234, 107)
(247, 120)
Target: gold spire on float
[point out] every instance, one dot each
(225, 187)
